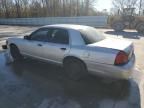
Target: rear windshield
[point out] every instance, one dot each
(91, 35)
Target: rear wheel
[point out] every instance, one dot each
(118, 26)
(15, 53)
(140, 27)
(75, 69)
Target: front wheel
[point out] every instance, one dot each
(15, 53)
(118, 26)
(75, 69)
(140, 27)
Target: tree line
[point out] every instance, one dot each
(46, 8)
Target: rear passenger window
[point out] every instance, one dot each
(60, 36)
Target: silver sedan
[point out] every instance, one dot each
(79, 49)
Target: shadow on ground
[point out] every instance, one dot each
(33, 84)
(126, 34)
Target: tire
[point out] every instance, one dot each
(15, 53)
(140, 28)
(75, 69)
(118, 26)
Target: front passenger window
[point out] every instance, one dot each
(40, 35)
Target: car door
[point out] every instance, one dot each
(58, 45)
(34, 46)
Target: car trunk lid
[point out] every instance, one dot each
(116, 44)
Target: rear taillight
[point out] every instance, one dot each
(121, 58)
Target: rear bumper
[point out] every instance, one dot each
(112, 71)
(4, 47)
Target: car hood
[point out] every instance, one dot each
(117, 44)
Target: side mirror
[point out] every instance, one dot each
(27, 37)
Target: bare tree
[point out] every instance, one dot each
(141, 7)
(44, 8)
(5, 7)
(89, 5)
(25, 6)
(18, 8)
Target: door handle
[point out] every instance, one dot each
(63, 49)
(40, 45)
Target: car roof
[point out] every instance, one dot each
(67, 26)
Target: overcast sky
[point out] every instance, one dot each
(104, 4)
